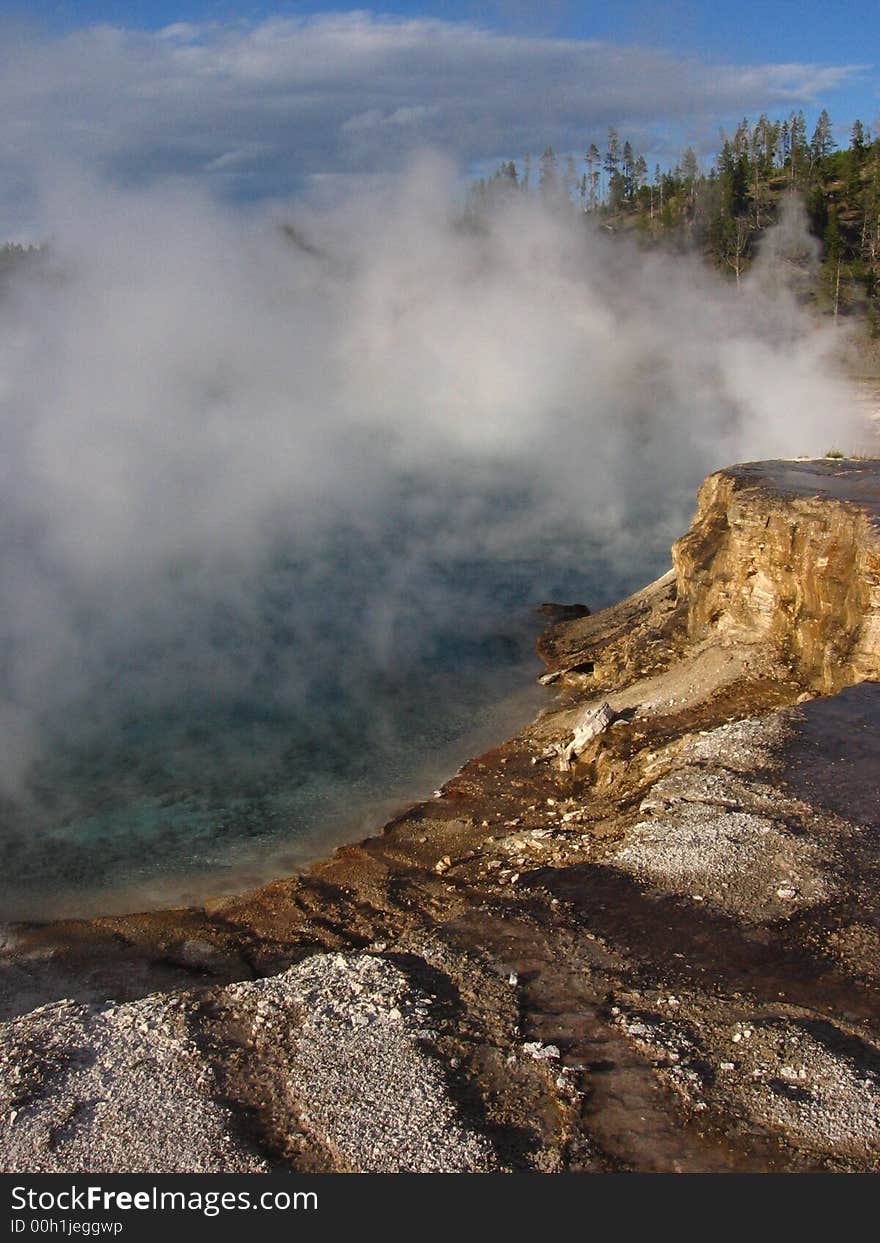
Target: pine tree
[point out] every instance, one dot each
(832, 259)
(616, 191)
(640, 173)
(798, 145)
(689, 167)
(657, 185)
(591, 159)
(822, 143)
(612, 154)
(569, 177)
(784, 143)
(548, 179)
(627, 169)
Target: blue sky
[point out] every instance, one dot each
(744, 32)
(258, 100)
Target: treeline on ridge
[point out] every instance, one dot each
(723, 211)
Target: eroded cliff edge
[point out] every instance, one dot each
(664, 955)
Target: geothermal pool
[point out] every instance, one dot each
(173, 789)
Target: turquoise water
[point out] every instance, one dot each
(255, 729)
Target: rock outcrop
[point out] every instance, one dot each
(788, 553)
(664, 956)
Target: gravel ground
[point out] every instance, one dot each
(112, 1090)
(361, 1071)
(746, 746)
(132, 1087)
(743, 863)
(767, 1070)
(713, 834)
(818, 1096)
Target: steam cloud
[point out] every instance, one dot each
(193, 398)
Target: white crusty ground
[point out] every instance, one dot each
(125, 1088)
(361, 1072)
(766, 1067)
(119, 1089)
(815, 1095)
(714, 832)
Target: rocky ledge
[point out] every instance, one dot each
(642, 935)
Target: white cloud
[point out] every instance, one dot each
(264, 107)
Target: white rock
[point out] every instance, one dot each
(541, 1052)
(593, 722)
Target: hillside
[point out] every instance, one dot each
(725, 210)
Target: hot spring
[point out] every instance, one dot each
(278, 504)
(336, 697)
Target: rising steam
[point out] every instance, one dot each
(192, 398)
